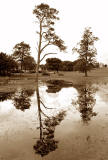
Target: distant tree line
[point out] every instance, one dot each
(55, 64)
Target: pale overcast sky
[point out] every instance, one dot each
(17, 23)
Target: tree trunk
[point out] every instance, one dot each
(39, 52)
(86, 60)
(86, 73)
(39, 110)
(37, 71)
(21, 66)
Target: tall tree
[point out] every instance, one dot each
(46, 17)
(21, 50)
(87, 51)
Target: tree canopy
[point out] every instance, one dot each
(86, 50)
(46, 17)
(29, 63)
(7, 64)
(21, 50)
(53, 64)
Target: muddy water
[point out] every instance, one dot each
(68, 124)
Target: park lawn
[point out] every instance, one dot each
(94, 76)
(28, 80)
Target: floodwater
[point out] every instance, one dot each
(67, 123)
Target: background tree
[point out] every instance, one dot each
(7, 64)
(66, 66)
(29, 63)
(86, 50)
(79, 65)
(3, 63)
(12, 65)
(53, 64)
(46, 17)
(21, 50)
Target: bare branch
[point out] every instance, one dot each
(45, 106)
(46, 55)
(44, 114)
(45, 46)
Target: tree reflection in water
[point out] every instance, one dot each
(46, 142)
(86, 102)
(56, 85)
(22, 99)
(6, 96)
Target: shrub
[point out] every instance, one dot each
(45, 74)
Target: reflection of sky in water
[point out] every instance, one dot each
(6, 107)
(59, 101)
(18, 128)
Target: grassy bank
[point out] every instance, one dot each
(28, 80)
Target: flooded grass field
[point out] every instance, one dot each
(47, 122)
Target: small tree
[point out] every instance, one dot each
(21, 50)
(46, 17)
(86, 50)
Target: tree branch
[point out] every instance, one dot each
(44, 114)
(45, 46)
(46, 55)
(45, 106)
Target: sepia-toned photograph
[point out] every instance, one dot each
(53, 80)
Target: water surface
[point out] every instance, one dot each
(69, 123)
